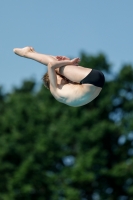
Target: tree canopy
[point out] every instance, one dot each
(51, 151)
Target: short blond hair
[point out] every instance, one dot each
(46, 80)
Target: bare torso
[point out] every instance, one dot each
(74, 94)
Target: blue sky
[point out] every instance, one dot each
(62, 28)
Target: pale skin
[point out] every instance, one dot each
(66, 88)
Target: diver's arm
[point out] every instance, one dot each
(52, 66)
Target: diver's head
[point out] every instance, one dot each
(46, 81)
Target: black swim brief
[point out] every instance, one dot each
(95, 77)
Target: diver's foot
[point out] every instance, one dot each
(24, 52)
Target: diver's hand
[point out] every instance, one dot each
(62, 58)
(75, 61)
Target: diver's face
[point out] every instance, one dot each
(61, 79)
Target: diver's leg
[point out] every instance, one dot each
(29, 52)
(74, 73)
(71, 72)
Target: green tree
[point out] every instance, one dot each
(51, 151)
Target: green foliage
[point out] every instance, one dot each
(51, 151)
